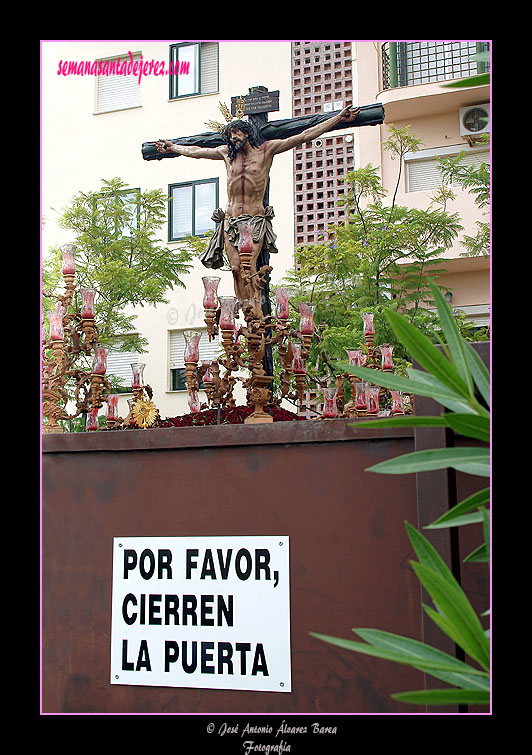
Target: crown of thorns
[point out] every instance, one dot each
(239, 113)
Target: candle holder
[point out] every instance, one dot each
(192, 339)
(71, 336)
(372, 399)
(282, 299)
(397, 402)
(193, 402)
(112, 411)
(386, 350)
(227, 313)
(244, 347)
(361, 404)
(208, 378)
(99, 364)
(306, 325)
(330, 410)
(92, 420)
(142, 410)
(355, 358)
(245, 250)
(299, 363)
(210, 304)
(137, 368)
(88, 327)
(369, 328)
(68, 252)
(60, 364)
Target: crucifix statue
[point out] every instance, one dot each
(247, 148)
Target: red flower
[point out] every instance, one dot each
(232, 416)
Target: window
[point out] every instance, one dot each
(131, 205)
(119, 366)
(194, 67)
(207, 350)
(115, 91)
(191, 208)
(129, 198)
(422, 168)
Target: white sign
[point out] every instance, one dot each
(205, 612)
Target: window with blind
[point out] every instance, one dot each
(115, 91)
(207, 351)
(130, 199)
(423, 174)
(195, 69)
(119, 366)
(190, 208)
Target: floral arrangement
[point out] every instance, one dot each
(230, 416)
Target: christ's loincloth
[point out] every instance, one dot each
(261, 230)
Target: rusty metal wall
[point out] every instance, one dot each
(349, 553)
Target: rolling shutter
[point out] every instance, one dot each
(177, 349)
(117, 92)
(119, 365)
(425, 175)
(209, 67)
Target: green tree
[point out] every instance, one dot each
(118, 254)
(475, 180)
(382, 256)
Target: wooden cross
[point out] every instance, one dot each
(257, 104)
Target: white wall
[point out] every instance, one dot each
(79, 148)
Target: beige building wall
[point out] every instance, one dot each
(80, 147)
(432, 113)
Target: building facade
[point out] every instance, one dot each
(94, 121)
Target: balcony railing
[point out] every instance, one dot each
(410, 63)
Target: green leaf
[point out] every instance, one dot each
(427, 553)
(469, 425)
(419, 654)
(386, 379)
(459, 521)
(481, 79)
(428, 356)
(409, 652)
(455, 341)
(463, 680)
(479, 556)
(443, 697)
(408, 420)
(455, 614)
(475, 461)
(426, 386)
(442, 394)
(486, 529)
(480, 373)
(471, 503)
(482, 553)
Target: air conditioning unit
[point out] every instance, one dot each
(474, 121)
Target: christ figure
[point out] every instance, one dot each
(246, 224)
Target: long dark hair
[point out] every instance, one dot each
(249, 128)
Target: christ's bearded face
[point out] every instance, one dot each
(238, 139)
